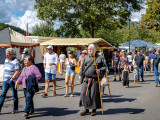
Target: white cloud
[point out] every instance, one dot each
(29, 17)
(9, 8)
(136, 16)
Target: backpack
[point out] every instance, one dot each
(157, 59)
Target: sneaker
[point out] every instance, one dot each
(71, 95)
(156, 85)
(66, 95)
(15, 111)
(26, 115)
(44, 95)
(31, 112)
(54, 93)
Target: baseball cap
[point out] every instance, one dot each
(25, 51)
(50, 47)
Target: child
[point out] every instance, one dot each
(136, 74)
(125, 76)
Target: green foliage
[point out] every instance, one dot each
(86, 14)
(43, 29)
(122, 35)
(3, 26)
(152, 12)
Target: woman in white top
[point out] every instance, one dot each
(130, 60)
(70, 72)
(62, 59)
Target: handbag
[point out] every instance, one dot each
(104, 81)
(72, 67)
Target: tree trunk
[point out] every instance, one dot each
(91, 29)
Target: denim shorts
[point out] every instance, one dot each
(50, 76)
(70, 72)
(136, 77)
(130, 63)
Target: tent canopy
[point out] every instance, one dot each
(138, 43)
(77, 42)
(11, 38)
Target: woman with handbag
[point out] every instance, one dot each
(70, 72)
(29, 71)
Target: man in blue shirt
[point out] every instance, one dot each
(11, 71)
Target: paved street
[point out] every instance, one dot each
(139, 102)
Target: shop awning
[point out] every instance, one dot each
(77, 42)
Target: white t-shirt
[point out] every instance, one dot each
(51, 58)
(62, 57)
(129, 58)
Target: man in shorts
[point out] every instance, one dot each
(115, 61)
(50, 64)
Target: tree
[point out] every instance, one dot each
(3, 26)
(43, 29)
(152, 12)
(86, 14)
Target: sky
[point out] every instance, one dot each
(20, 12)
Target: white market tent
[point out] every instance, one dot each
(11, 38)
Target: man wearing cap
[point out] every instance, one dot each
(90, 96)
(50, 64)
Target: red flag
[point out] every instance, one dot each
(150, 27)
(27, 33)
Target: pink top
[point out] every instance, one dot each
(33, 70)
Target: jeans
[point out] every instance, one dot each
(156, 73)
(29, 101)
(6, 86)
(141, 71)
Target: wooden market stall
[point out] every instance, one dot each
(74, 42)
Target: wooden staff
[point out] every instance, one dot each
(98, 80)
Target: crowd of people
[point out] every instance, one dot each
(122, 63)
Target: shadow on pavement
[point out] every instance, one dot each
(53, 112)
(119, 100)
(124, 110)
(148, 75)
(135, 86)
(113, 96)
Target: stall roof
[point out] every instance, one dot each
(9, 37)
(77, 42)
(138, 43)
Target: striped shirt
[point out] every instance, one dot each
(10, 66)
